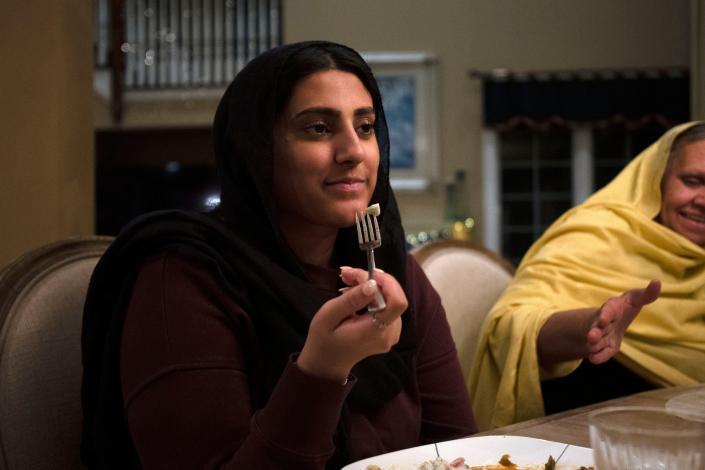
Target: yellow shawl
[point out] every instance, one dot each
(599, 249)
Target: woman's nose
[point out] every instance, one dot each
(349, 148)
(699, 199)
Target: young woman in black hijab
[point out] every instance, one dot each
(240, 339)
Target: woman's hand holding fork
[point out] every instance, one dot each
(338, 338)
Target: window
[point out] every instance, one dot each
(539, 174)
(535, 172)
(614, 147)
(552, 138)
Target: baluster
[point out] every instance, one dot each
(229, 49)
(187, 43)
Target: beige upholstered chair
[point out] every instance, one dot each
(469, 280)
(41, 306)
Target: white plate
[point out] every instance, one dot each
(484, 450)
(406, 459)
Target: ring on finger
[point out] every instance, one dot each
(379, 323)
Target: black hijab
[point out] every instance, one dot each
(240, 243)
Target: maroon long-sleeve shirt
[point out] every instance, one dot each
(186, 392)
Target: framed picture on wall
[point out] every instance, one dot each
(407, 81)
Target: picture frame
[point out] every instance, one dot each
(408, 84)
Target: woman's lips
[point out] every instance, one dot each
(696, 218)
(347, 184)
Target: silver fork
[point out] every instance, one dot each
(369, 238)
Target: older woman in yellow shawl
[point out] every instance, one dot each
(579, 293)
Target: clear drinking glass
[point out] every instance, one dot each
(690, 404)
(645, 438)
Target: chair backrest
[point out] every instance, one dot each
(469, 280)
(41, 307)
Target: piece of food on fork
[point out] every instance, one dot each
(369, 238)
(373, 210)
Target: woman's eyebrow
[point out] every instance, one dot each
(364, 111)
(319, 111)
(322, 110)
(692, 174)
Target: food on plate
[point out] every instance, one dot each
(373, 210)
(551, 464)
(504, 464)
(437, 464)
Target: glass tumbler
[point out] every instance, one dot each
(645, 438)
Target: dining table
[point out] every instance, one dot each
(531, 441)
(572, 427)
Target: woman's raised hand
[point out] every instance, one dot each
(607, 330)
(338, 337)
